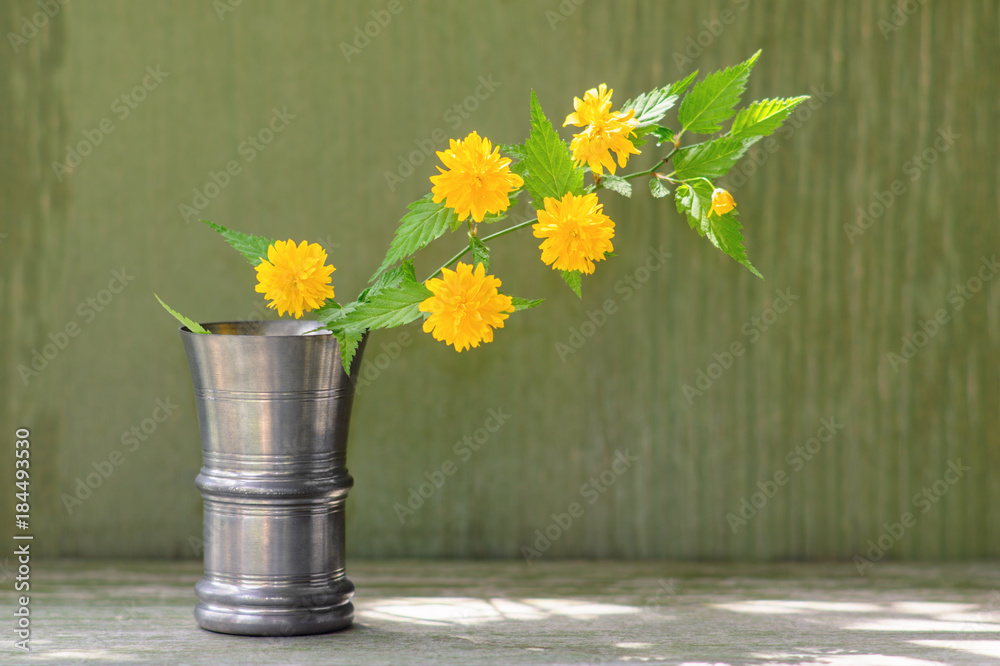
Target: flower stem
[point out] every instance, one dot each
(653, 169)
(485, 239)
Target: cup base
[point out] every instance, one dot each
(273, 622)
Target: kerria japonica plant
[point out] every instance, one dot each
(478, 183)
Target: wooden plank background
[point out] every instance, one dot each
(888, 87)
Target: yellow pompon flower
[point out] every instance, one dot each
(605, 131)
(722, 201)
(294, 278)
(576, 231)
(465, 307)
(478, 180)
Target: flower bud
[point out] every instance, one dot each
(722, 201)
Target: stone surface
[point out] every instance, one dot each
(553, 612)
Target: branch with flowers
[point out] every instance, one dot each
(461, 302)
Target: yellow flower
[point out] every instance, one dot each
(576, 231)
(465, 307)
(722, 201)
(477, 181)
(605, 131)
(294, 279)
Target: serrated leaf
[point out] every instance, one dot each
(695, 200)
(426, 222)
(657, 188)
(650, 107)
(724, 232)
(327, 312)
(391, 277)
(663, 134)
(192, 325)
(524, 304)
(391, 306)
(254, 248)
(638, 136)
(713, 100)
(480, 253)
(348, 343)
(711, 159)
(575, 281)
(515, 151)
(617, 184)
(549, 167)
(763, 117)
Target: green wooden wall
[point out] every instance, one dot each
(901, 100)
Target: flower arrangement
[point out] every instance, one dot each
(478, 183)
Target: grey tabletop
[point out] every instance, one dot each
(551, 612)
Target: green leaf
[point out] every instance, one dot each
(711, 159)
(254, 248)
(330, 310)
(638, 136)
(663, 135)
(713, 99)
(724, 232)
(348, 343)
(524, 303)
(617, 184)
(426, 222)
(387, 307)
(657, 188)
(575, 280)
(650, 107)
(550, 170)
(763, 117)
(192, 325)
(515, 151)
(695, 200)
(480, 253)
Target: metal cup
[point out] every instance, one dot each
(274, 407)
